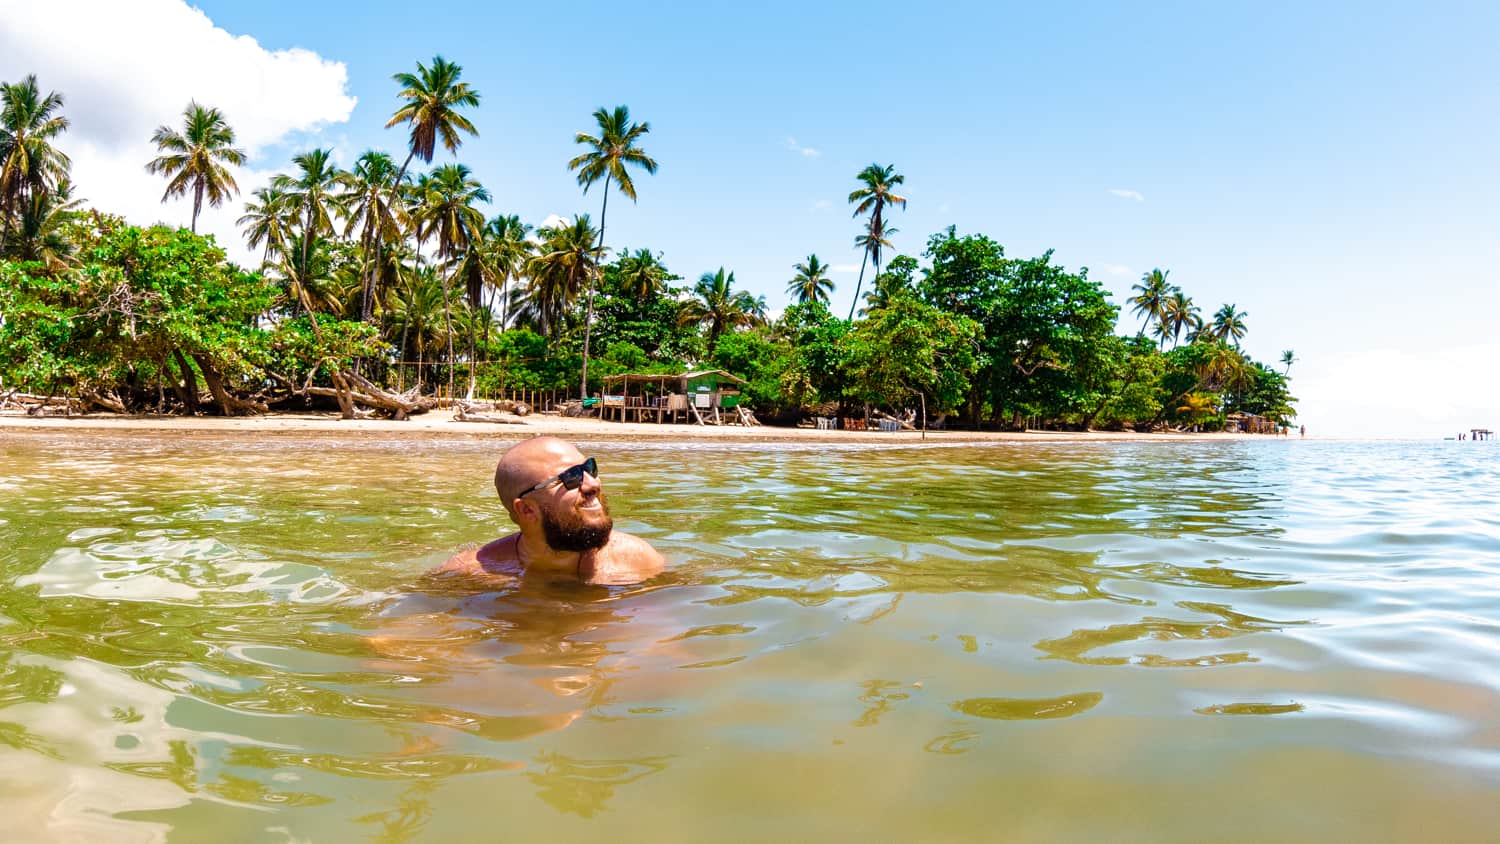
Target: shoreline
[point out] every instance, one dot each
(440, 424)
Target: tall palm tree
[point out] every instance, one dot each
(1150, 298)
(431, 99)
(565, 262)
(311, 193)
(1288, 358)
(642, 274)
(610, 156)
(1229, 325)
(368, 207)
(269, 219)
(720, 307)
(448, 212)
(431, 103)
(29, 164)
(1178, 312)
(811, 283)
(193, 159)
(875, 194)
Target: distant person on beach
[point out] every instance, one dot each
(553, 494)
(1302, 432)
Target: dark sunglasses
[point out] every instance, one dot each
(570, 478)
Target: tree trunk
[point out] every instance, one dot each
(197, 204)
(229, 403)
(188, 392)
(858, 285)
(588, 320)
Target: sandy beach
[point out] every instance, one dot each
(441, 424)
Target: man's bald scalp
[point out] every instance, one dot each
(517, 470)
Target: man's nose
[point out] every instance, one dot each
(590, 485)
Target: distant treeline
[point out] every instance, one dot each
(378, 281)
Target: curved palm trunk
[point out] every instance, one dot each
(588, 319)
(858, 285)
(197, 205)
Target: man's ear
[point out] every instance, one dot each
(523, 509)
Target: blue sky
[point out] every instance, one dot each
(1331, 170)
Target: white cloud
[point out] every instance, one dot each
(806, 152)
(844, 268)
(823, 203)
(1116, 269)
(1128, 194)
(553, 221)
(126, 68)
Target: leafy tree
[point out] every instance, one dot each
(611, 155)
(811, 282)
(194, 159)
(909, 351)
(817, 368)
(41, 234)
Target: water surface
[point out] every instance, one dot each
(219, 638)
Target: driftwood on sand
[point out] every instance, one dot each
(501, 412)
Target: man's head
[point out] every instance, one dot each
(569, 519)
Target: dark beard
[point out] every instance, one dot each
(570, 533)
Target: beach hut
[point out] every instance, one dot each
(705, 396)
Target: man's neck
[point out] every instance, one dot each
(535, 555)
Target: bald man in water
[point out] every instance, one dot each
(553, 494)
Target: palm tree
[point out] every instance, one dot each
(194, 159)
(811, 283)
(367, 207)
(268, 219)
(1288, 358)
(1177, 312)
(448, 213)
(642, 274)
(609, 158)
(40, 234)
(720, 307)
(565, 262)
(29, 164)
(508, 247)
(1229, 325)
(1151, 297)
(418, 303)
(873, 197)
(432, 98)
(311, 194)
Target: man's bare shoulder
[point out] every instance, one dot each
(495, 559)
(626, 559)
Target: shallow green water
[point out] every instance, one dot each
(207, 638)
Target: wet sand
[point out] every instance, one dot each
(441, 424)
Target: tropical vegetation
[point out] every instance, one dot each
(381, 286)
